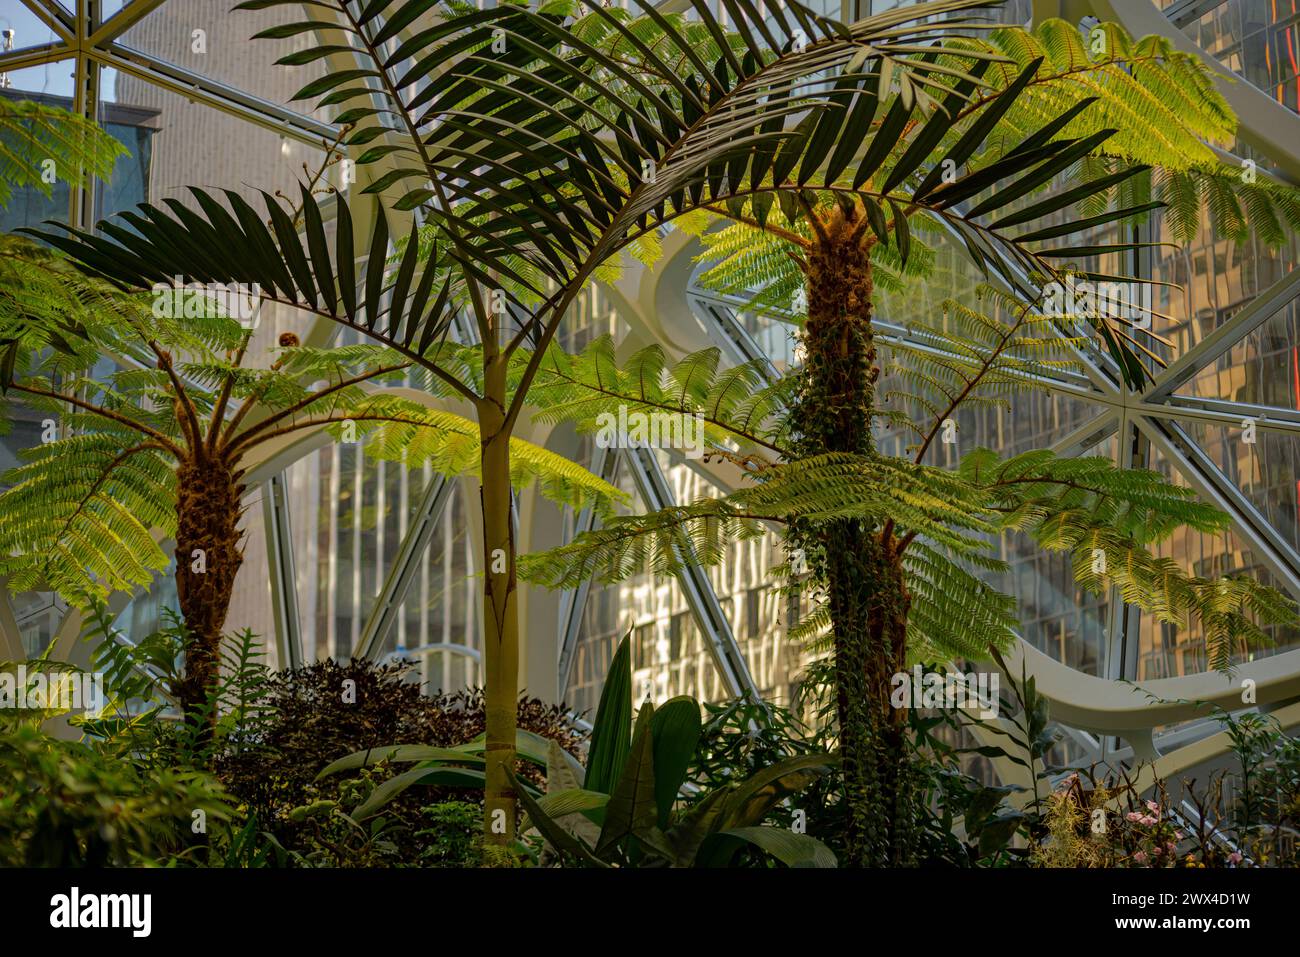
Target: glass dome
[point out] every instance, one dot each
(347, 556)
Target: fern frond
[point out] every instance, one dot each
(37, 140)
(739, 408)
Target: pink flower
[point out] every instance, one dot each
(1156, 850)
(1234, 858)
(1140, 857)
(1178, 835)
(1133, 816)
(1153, 806)
(1149, 821)
(1172, 846)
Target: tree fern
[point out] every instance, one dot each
(1162, 102)
(87, 506)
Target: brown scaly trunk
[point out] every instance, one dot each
(208, 556)
(857, 564)
(500, 609)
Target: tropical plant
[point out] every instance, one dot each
(1112, 107)
(578, 154)
(519, 233)
(1167, 115)
(40, 144)
(621, 809)
(942, 525)
(328, 708)
(159, 447)
(79, 804)
(144, 677)
(1264, 810)
(835, 254)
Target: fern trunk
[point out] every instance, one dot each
(855, 562)
(208, 556)
(500, 607)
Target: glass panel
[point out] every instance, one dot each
(38, 615)
(743, 584)
(1266, 470)
(1056, 616)
(343, 555)
(443, 605)
(110, 8)
(144, 613)
(22, 29)
(669, 656)
(1166, 651)
(1262, 369)
(197, 145)
(590, 316)
(190, 144)
(1258, 41)
(1215, 279)
(29, 206)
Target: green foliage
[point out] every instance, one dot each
(1264, 809)
(313, 717)
(578, 156)
(83, 513)
(34, 134)
(760, 267)
(974, 357)
(737, 405)
(134, 670)
(584, 152)
(611, 734)
(141, 681)
(636, 819)
(451, 835)
(1161, 104)
(75, 804)
(1109, 520)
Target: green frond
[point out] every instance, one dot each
(397, 429)
(39, 143)
(660, 543)
(739, 408)
(80, 516)
(953, 613)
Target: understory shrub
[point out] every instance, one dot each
(318, 713)
(75, 804)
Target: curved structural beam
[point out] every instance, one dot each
(1221, 341)
(1119, 707)
(284, 580)
(1268, 546)
(388, 604)
(573, 602)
